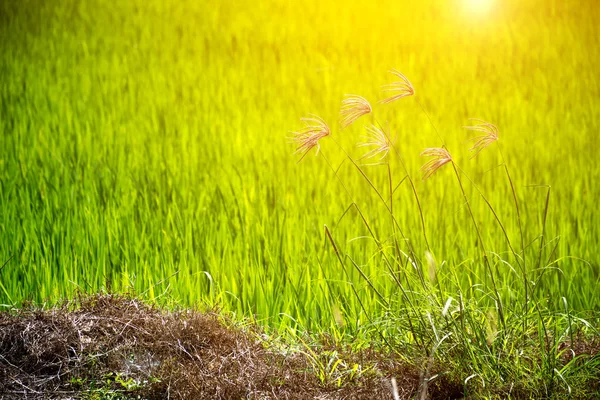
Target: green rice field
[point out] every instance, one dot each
(145, 147)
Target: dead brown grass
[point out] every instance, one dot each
(99, 342)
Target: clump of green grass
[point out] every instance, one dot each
(499, 336)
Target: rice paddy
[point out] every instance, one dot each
(148, 147)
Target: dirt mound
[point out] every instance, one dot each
(115, 347)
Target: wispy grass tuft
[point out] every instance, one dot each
(353, 107)
(479, 321)
(308, 137)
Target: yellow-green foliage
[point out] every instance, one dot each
(143, 143)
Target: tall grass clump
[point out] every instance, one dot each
(488, 320)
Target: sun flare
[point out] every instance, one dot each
(478, 6)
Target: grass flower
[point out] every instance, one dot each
(377, 138)
(440, 157)
(402, 88)
(309, 136)
(353, 107)
(489, 135)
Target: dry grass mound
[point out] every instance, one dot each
(118, 348)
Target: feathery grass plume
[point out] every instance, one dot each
(376, 137)
(353, 107)
(440, 157)
(309, 136)
(403, 87)
(490, 135)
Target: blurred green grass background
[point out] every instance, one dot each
(143, 145)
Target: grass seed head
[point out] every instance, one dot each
(376, 138)
(353, 107)
(440, 156)
(401, 88)
(489, 135)
(309, 136)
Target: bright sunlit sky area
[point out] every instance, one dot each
(478, 6)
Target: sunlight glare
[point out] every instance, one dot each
(478, 6)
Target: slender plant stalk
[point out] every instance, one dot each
(430, 121)
(341, 261)
(480, 238)
(410, 180)
(377, 241)
(380, 196)
(520, 224)
(485, 256)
